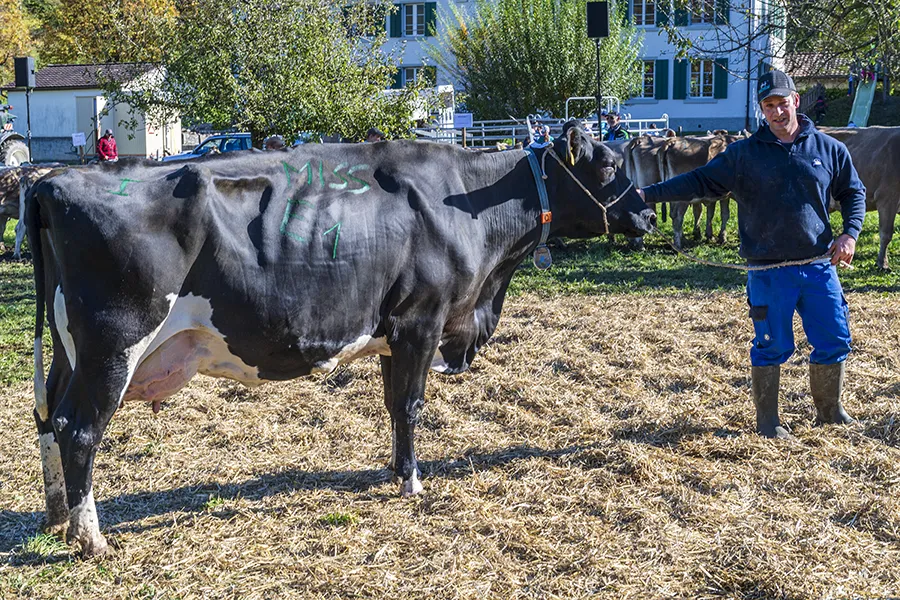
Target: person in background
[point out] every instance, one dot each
(819, 109)
(374, 135)
(614, 128)
(542, 139)
(273, 142)
(106, 147)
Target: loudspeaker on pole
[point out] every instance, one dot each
(24, 67)
(597, 20)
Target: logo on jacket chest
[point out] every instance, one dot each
(816, 162)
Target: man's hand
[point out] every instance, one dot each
(640, 193)
(842, 249)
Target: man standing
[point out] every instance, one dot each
(782, 178)
(614, 128)
(106, 147)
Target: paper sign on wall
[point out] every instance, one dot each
(78, 139)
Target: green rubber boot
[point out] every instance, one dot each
(765, 382)
(826, 383)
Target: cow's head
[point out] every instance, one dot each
(593, 164)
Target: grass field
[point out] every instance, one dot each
(601, 446)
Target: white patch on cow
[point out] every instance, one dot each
(365, 345)
(136, 353)
(84, 527)
(184, 344)
(62, 326)
(54, 481)
(411, 486)
(40, 387)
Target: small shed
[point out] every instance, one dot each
(69, 99)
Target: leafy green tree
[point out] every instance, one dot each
(278, 67)
(80, 31)
(514, 57)
(15, 38)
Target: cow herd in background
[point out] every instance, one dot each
(648, 160)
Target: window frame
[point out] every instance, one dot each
(707, 66)
(418, 19)
(417, 72)
(652, 83)
(703, 18)
(648, 12)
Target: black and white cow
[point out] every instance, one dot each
(269, 266)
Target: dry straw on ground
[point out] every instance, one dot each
(599, 447)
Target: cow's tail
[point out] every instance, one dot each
(32, 216)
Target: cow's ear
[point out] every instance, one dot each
(578, 145)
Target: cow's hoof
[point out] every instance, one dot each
(55, 529)
(95, 546)
(411, 487)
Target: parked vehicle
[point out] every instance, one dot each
(13, 150)
(219, 143)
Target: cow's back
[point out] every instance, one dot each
(875, 152)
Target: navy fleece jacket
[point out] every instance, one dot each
(782, 192)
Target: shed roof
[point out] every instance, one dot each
(805, 65)
(86, 76)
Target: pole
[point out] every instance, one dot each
(599, 99)
(28, 122)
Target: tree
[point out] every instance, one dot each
(514, 57)
(88, 31)
(278, 67)
(15, 36)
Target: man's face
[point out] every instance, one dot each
(781, 113)
(373, 138)
(612, 120)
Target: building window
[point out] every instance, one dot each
(702, 79)
(649, 86)
(411, 74)
(703, 11)
(645, 12)
(413, 20)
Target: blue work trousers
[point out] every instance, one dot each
(813, 291)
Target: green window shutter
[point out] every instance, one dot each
(723, 8)
(398, 79)
(662, 14)
(396, 29)
(720, 78)
(661, 80)
(431, 18)
(430, 74)
(682, 16)
(628, 18)
(679, 79)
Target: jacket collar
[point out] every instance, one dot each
(764, 134)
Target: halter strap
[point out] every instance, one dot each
(542, 259)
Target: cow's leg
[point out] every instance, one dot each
(710, 215)
(20, 238)
(56, 518)
(887, 214)
(79, 421)
(697, 209)
(3, 221)
(725, 204)
(389, 405)
(679, 209)
(411, 357)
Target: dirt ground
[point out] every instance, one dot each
(600, 447)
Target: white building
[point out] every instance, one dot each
(709, 90)
(68, 99)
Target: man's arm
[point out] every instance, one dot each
(712, 180)
(849, 191)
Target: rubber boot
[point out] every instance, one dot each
(826, 383)
(765, 383)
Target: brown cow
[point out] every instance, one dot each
(14, 182)
(681, 155)
(875, 152)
